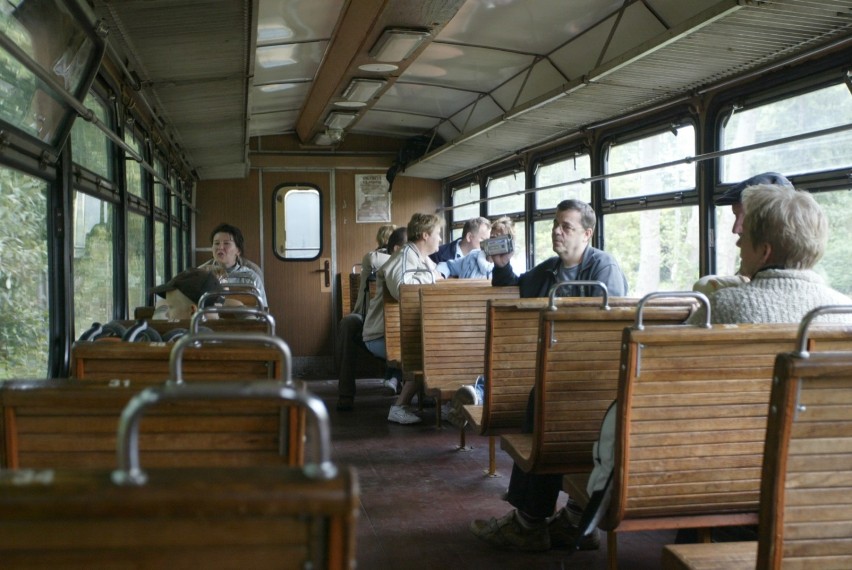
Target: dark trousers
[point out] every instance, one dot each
(350, 346)
(533, 494)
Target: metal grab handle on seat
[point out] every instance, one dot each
(359, 266)
(250, 291)
(551, 295)
(130, 472)
(176, 358)
(700, 297)
(201, 316)
(802, 336)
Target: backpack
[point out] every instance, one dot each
(599, 486)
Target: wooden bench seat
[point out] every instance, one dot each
(577, 369)
(691, 422)
(453, 334)
(212, 517)
(68, 424)
(144, 362)
(805, 516)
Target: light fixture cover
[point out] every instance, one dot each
(362, 90)
(337, 120)
(397, 44)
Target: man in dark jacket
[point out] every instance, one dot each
(575, 259)
(474, 231)
(532, 525)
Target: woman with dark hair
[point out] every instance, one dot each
(227, 248)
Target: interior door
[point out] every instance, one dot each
(299, 291)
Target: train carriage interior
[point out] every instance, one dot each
(131, 130)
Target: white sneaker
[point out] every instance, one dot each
(392, 384)
(399, 415)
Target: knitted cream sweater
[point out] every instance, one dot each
(773, 296)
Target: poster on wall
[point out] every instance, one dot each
(372, 199)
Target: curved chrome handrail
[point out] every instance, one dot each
(551, 295)
(700, 297)
(129, 471)
(201, 316)
(805, 323)
(176, 357)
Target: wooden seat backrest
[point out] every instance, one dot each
(805, 510)
(577, 370)
(181, 518)
(392, 327)
(144, 362)
(805, 504)
(68, 424)
(410, 323)
(453, 332)
(692, 417)
(511, 345)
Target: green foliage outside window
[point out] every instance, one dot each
(93, 262)
(24, 293)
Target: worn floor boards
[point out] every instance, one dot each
(418, 495)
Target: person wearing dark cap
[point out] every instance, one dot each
(733, 197)
(183, 293)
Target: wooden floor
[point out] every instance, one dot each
(419, 494)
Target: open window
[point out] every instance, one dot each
(297, 223)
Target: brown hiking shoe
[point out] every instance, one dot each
(507, 532)
(563, 533)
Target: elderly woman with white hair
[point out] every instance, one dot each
(784, 235)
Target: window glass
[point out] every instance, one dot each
(175, 250)
(298, 222)
(136, 285)
(90, 146)
(834, 265)
(727, 252)
(503, 186)
(93, 261)
(159, 252)
(821, 109)
(466, 195)
(48, 34)
(160, 192)
(656, 249)
(568, 170)
(655, 149)
(24, 294)
(134, 170)
(519, 258)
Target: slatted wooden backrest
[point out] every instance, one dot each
(392, 327)
(453, 333)
(511, 347)
(67, 424)
(577, 378)
(692, 421)
(806, 504)
(181, 518)
(145, 362)
(410, 325)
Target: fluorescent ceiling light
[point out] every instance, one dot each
(362, 90)
(337, 120)
(397, 44)
(378, 67)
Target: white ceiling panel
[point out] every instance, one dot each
(439, 102)
(278, 97)
(288, 62)
(465, 67)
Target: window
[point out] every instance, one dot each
(575, 168)
(137, 290)
(466, 195)
(505, 186)
(820, 109)
(834, 265)
(298, 222)
(664, 258)
(135, 172)
(160, 252)
(160, 192)
(90, 146)
(93, 261)
(659, 148)
(175, 250)
(24, 286)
